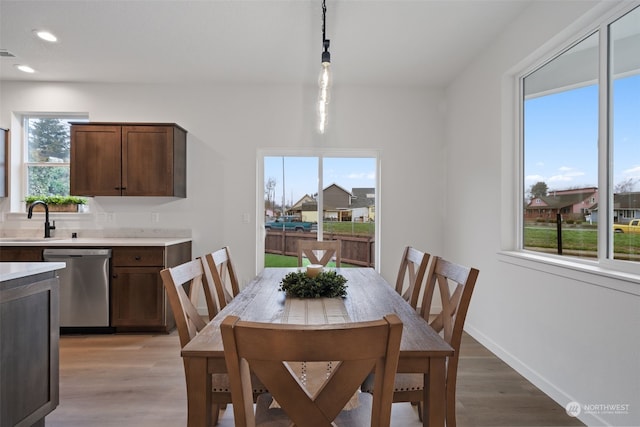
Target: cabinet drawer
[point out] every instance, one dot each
(136, 256)
(27, 253)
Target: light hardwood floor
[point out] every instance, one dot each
(138, 381)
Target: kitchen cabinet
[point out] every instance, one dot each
(29, 348)
(128, 159)
(21, 254)
(138, 298)
(138, 301)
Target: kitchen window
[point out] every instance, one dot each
(47, 152)
(580, 132)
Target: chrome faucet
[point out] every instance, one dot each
(47, 227)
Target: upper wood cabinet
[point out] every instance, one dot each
(128, 159)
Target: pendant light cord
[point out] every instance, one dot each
(325, 42)
(324, 20)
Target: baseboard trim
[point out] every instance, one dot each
(534, 377)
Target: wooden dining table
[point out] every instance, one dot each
(369, 297)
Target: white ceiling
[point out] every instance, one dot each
(392, 42)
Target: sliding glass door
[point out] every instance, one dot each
(321, 197)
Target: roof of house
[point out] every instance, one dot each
(363, 197)
(558, 201)
(304, 199)
(626, 200)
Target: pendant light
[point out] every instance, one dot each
(324, 81)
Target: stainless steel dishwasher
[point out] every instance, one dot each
(84, 286)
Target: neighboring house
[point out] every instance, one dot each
(363, 204)
(304, 209)
(626, 206)
(575, 204)
(339, 205)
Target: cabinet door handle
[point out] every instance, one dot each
(138, 258)
(115, 276)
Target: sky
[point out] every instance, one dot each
(561, 137)
(301, 174)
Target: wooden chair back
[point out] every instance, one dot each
(224, 276)
(310, 249)
(455, 284)
(359, 348)
(183, 284)
(414, 265)
(184, 301)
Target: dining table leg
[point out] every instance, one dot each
(434, 393)
(198, 392)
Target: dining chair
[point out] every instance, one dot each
(220, 268)
(311, 249)
(353, 349)
(455, 285)
(413, 267)
(183, 284)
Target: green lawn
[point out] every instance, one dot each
(273, 260)
(579, 239)
(350, 228)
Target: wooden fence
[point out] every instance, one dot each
(355, 250)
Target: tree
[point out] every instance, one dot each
(269, 191)
(539, 189)
(49, 140)
(625, 186)
(48, 181)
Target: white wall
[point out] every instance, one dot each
(227, 127)
(571, 335)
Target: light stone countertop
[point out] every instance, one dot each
(16, 270)
(92, 241)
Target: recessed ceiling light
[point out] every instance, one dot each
(45, 35)
(25, 68)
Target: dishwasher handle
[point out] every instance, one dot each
(76, 253)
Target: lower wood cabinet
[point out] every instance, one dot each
(21, 254)
(29, 349)
(138, 299)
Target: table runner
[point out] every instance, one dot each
(316, 311)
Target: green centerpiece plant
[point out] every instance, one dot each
(327, 284)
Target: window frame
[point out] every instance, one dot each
(25, 151)
(20, 141)
(603, 271)
(548, 58)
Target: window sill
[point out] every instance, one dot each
(588, 272)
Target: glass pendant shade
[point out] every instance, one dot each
(324, 83)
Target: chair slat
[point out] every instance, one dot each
(414, 263)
